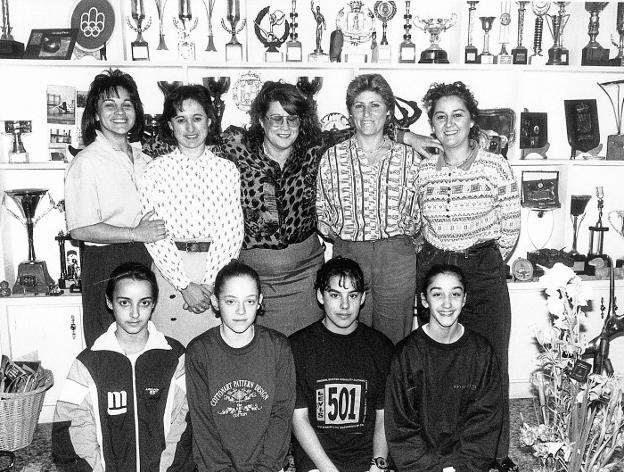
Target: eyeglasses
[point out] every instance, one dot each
(278, 120)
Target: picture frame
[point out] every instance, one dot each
(51, 44)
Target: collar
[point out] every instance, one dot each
(474, 151)
(206, 155)
(101, 139)
(108, 340)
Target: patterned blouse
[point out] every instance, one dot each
(198, 198)
(468, 204)
(359, 201)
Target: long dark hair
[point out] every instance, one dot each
(133, 271)
(457, 89)
(106, 85)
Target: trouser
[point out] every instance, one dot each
(487, 310)
(389, 267)
(96, 265)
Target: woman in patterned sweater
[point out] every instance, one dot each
(470, 217)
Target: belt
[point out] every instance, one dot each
(473, 250)
(193, 246)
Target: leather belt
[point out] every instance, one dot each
(193, 246)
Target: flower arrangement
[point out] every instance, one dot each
(581, 414)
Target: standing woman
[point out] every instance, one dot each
(101, 198)
(197, 194)
(470, 207)
(366, 202)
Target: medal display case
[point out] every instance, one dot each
(232, 46)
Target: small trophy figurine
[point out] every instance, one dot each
(619, 59)
(318, 55)
(268, 37)
(520, 54)
(233, 49)
(185, 24)
(470, 51)
(486, 57)
(16, 128)
(434, 54)
(32, 274)
(407, 50)
(594, 54)
(539, 9)
(140, 48)
(217, 86)
(160, 7)
(578, 203)
(503, 34)
(384, 11)
(309, 86)
(615, 142)
(9, 48)
(209, 9)
(557, 54)
(597, 232)
(293, 45)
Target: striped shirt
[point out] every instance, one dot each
(360, 201)
(468, 204)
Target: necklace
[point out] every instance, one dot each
(373, 156)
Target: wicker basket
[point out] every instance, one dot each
(19, 414)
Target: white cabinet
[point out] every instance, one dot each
(48, 329)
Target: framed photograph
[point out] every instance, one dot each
(61, 104)
(51, 44)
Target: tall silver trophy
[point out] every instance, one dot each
(434, 54)
(16, 129)
(139, 47)
(185, 23)
(233, 49)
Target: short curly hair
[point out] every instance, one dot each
(458, 89)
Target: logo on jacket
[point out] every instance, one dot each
(117, 403)
(242, 396)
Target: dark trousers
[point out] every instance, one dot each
(487, 310)
(96, 265)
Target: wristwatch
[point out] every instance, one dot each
(380, 463)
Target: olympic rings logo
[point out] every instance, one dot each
(92, 23)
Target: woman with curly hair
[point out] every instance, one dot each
(470, 207)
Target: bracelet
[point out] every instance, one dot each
(131, 235)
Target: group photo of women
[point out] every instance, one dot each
(200, 264)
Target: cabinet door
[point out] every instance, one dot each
(51, 334)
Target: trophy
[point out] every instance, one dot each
(407, 50)
(160, 7)
(596, 235)
(152, 145)
(139, 47)
(309, 87)
(594, 54)
(557, 54)
(384, 11)
(185, 24)
(619, 59)
(318, 55)
(70, 265)
(503, 34)
(616, 219)
(268, 37)
(16, 128)
(615, 142)
(217, 86)
(166, 87)
(233, 49)
(293, 45)
(486, 57)
(209, 9)
(578, 204)
(539, 9)
(434, 54)
(32, 275)
(9, 48)
(470, 51)
(357, 25)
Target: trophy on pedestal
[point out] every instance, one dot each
(318, 55)
(293, 45)
(70, 265)
(486, 57)
(309, 86)
(596, 235)
(32, 274)
(434, 54)
(139, 47)
(615, 142)
(619, 59)
(185, 24)
(470, 51)
(9, 48)
(217, 86)
(16, 128)
(268, 37)
(384, 12)
(160, 7)
(209, 9)
(357, 24)
(616, 218)
(233, 49)
(594, 54)
(557, 54)
(519, 54)
(503, 34)
(578, 204)
(539, 9)
(407, 50)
